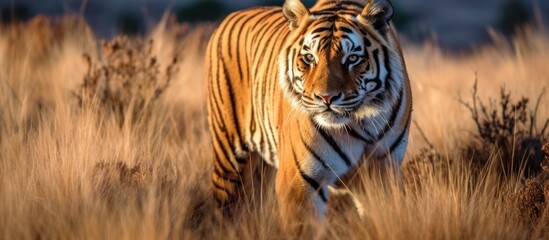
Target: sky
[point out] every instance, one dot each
(451, 23)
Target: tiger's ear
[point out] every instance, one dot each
(295, 11)
(378, 13)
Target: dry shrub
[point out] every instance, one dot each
(425, 167)
(507, 134)
(183, 198)
(116, 181)
(530, 202)
(127, 81)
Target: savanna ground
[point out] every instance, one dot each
(109, 140)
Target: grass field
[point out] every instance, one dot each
(109, 140)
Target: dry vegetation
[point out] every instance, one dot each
(109, 141)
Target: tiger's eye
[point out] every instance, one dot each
(352, 59)
(309, 58)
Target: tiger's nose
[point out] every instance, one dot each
(328, 98)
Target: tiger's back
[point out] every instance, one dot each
(243, 84)
(314, 92)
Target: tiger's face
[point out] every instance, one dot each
(338, 69)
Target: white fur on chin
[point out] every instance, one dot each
(331, 121)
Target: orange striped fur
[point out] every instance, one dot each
(315, 92)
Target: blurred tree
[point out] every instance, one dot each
(15, 12)
(513, 13)
(204, 10)
(129, 23)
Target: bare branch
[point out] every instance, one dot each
(423, 134)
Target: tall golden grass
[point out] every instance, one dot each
(72, 171)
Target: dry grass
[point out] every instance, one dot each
(74, 171)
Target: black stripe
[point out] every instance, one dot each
(331, 10)
(353, 25)
(218, 70)
(289, 67)
(313, 25)
(238, 44)
(223, 167)
(321, 29)
(334, 145)
(311, 181)
(225, 178)
(270, 65)
(348, 12)
(311, 150)
(387, 62)
(261, 132)
(351, 103)
(399, 139)
(378, 99)
(326, 14)
(367, 42)
(233, 105)
(241, 160)
(367, 56)
(350, 40)
(376, 60)
(396, 107)
(220, 162)
(224, 152)
(217, 136)
(356, 135)
(269, 46)
(345, 29)
(370, 135)
(263, 18)
(220, 47)
(264, 49)
(372, 35)
(251, 123)
(336, 47)
(260, 30)
(262, 34)
(231, 31)
(397, 142)
(227, 22)
(223, 126)
(275, 47)
(316, 35)
(219, 187)
(214, 110)
(323, 42)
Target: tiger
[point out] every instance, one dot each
(314, 91)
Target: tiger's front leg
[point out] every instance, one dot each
(302, 198)
(301, 180)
